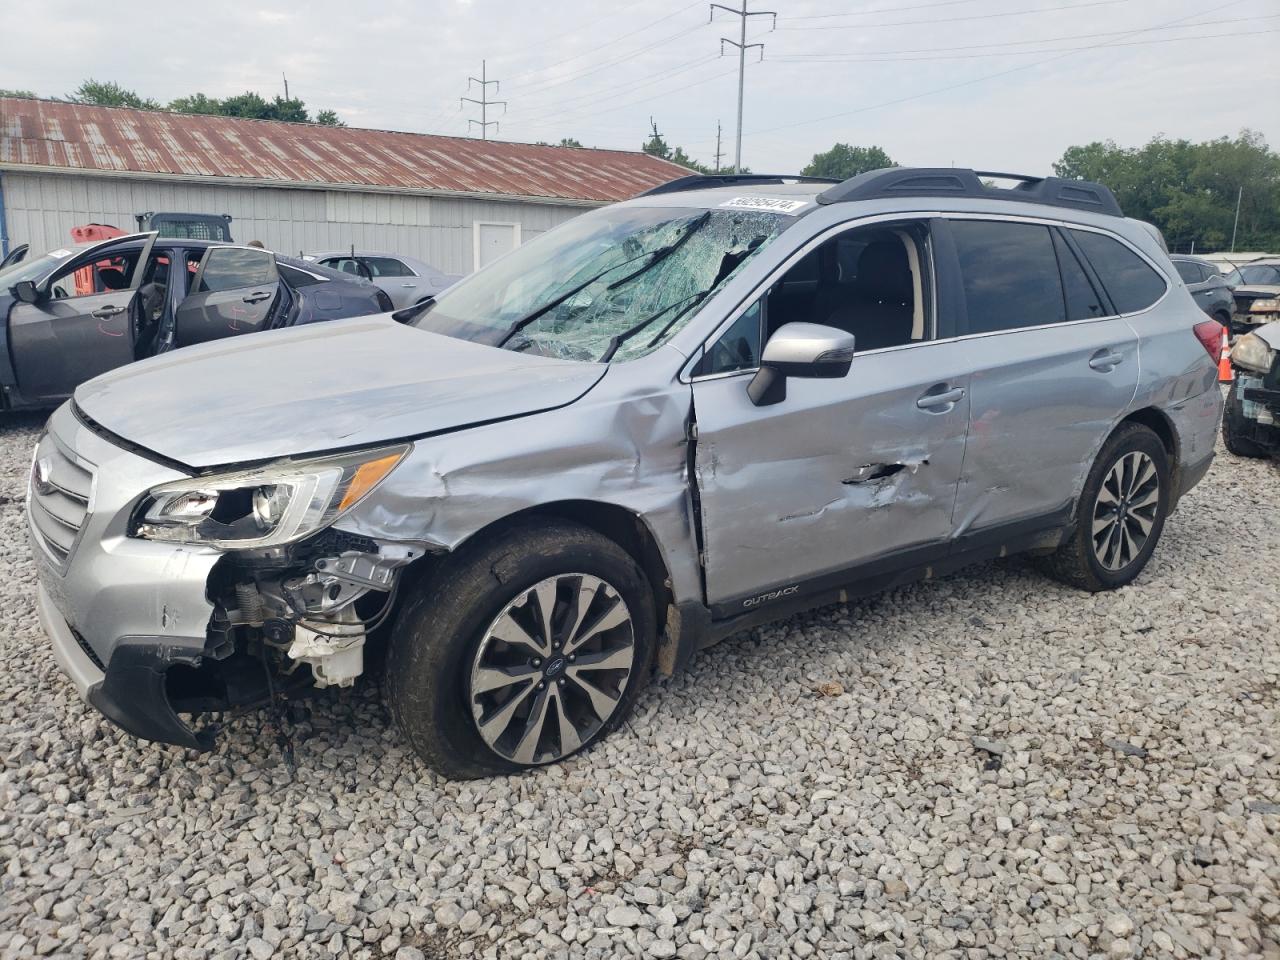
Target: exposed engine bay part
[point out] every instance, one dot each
(303, 604)
(333, 650)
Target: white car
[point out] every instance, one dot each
(406, 281)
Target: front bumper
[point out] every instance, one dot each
(122, 612)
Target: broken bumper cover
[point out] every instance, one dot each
(121, 612)
(131, 691)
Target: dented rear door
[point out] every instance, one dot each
(841, 475)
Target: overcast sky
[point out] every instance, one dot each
(993, 84)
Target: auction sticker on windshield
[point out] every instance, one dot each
(772, 204)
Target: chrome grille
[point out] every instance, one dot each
(59, 503)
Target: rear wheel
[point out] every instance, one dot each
(1120, 514)
(524, 650)
(1234, 426)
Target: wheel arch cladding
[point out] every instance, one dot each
(1159, 424)
(624, 527)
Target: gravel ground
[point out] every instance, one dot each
(986, 765)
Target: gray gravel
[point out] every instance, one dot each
(986, 765)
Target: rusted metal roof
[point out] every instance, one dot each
(107, 140)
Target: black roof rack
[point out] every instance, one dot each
(952, 182)
(700, 181)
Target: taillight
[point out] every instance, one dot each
(1210, 333)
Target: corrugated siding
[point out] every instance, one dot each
(42, 208)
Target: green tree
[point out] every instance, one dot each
(328, 118)
(657, 146)
(18, 94)
(110, 94)
(843, 161)
(196, 103)
(1189, 190)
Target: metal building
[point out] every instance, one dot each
(454, 202)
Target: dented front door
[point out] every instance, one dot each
(841, 474)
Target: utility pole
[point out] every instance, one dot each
(286, 86)
(742, 45)
(1239, 197)
(719, 153)
(484, 102)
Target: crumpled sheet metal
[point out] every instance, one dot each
(612, 447)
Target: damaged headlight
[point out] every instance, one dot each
(1269, 305)
(1252, 353)
(265, 506)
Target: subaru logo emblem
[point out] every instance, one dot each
(41, 476)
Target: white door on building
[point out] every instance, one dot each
(492, 240)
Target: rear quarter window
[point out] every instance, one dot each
(1129, 280)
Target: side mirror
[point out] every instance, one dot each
(26, 291)
(800, 350)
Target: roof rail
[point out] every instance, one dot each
(702, 181)
(953, 182)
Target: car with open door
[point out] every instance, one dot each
(660, 423)
(84, 309)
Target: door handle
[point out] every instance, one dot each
(409, 285)
(1104, 361)
(257, 297)
(105, 313)
(932, 401)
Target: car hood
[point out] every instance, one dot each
(336, 385)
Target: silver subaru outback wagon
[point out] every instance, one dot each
(662, 422)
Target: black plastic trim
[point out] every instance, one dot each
(957, 182)
(699, 181)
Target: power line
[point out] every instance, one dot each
(865, 13)
(832, 58)
(484, 123)
(990, 76)
(741, 43)
(1027, 53)
(596, 48)
(975, 16)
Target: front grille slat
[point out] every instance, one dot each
(60, 493)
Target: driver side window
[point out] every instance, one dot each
(102, 276)
(870, 281)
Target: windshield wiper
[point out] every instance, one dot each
(655, 257)
(618, 339)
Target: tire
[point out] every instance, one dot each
(448, 643)
(1233, 420)
(1078, 561)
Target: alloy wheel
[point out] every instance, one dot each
(552, 668)
(1125, 510)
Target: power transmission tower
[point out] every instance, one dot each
(719, 153)
(742, 46)
(484, 103)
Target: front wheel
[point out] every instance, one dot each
(526, 648)
(1120, 514)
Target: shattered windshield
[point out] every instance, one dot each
(609, 285)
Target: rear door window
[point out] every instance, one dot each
(230, 268)
(1010, 275)
(1131, 282)
(1083, 301)
(1188, 271)
(387, 267)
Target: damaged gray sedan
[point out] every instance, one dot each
(663, 422)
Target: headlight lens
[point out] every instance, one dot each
(1270, 305)
(266, 506)
(1252, 353)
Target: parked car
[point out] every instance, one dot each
(1209, 287)
(405, 280)
(1251, 420)
(85, 309)
(658, 424)
(1256, 293)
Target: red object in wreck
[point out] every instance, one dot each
(86, 279)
